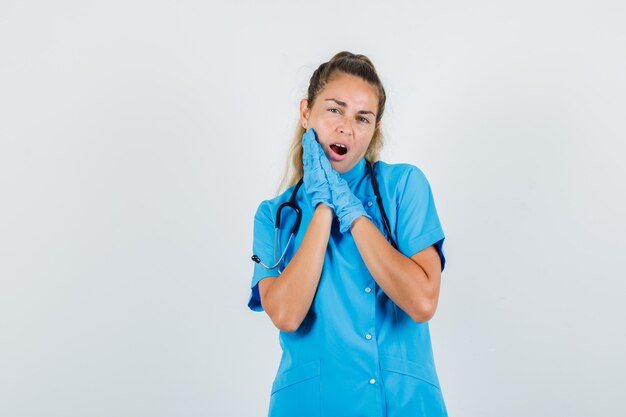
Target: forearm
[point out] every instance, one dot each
(402, 279)
(290, 296)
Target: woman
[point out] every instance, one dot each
(352, 308)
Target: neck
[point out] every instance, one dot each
(356, 172)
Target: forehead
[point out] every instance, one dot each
(353, 90)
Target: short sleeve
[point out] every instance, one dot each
(418, 225)
(263, 247)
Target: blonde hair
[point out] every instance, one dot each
(347, 63)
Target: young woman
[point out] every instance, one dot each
(353, 287)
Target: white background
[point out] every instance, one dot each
(138, 137)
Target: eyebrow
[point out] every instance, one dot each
(343, 104)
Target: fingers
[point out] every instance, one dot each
(315, 182)
(310, 145)
(310, 134)
(331, 174)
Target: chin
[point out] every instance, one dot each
(337, 166)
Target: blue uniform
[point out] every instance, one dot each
(356, 353)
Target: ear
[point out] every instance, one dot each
(304, 112)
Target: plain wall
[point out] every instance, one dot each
(138, 138)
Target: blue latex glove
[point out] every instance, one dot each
(347, 206)
(315, 182)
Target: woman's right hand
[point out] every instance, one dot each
(287, 299)
(315, 181)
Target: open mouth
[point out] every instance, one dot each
(339, 149)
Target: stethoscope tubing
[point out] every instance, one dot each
(292, 204)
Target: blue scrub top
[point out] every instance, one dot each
(356, 353)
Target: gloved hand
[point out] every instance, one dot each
(347, 206)
(315, 182)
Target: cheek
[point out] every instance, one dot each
(322, 128)
(365, 145)
(325, 119)
(325, 123)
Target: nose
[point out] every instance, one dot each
(345, 127)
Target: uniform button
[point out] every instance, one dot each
(368, 336)
(372, 381)
(369, 204)
(368, 290)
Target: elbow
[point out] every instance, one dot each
(423, 311)
(286, 323)
(282, 318)
(420, 318)
(287, 326)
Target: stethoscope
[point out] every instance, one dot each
(291, 203)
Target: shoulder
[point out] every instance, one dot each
(267, 208)
(400, 174)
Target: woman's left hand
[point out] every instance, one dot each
(347, 206)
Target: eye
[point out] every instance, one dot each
(363, 119)
(331, 110)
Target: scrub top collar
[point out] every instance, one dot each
(356, 173)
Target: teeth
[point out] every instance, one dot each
(339, 144)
